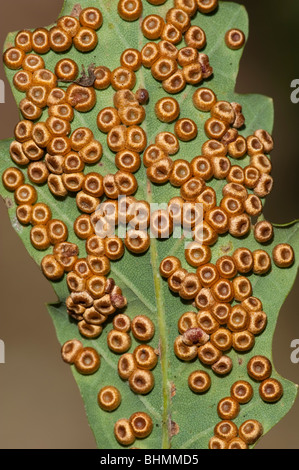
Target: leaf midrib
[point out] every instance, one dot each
(161, 314)
(163, 349)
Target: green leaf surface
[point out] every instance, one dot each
(171, 399)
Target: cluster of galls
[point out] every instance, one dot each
(37, 81)
(139, 425)
(136, 367)
(131, 10)
(93, 299)
(54, 157)
(87, 361)
(245, 186)
(68, 31)
(218, 326)
(58, 158)
(125, 138)
(164, 58)
(226, 433)
(93, 296)
(228, 436)
(63, 168)
(45, 230)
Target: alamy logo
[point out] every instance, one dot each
(156, 220)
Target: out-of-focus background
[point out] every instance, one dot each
(40, 405)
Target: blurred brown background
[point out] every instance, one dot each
(40, 406)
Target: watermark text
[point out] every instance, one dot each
(295, 92)
(295, 352)
(2, 352)
(2, 92)
(156, 220)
